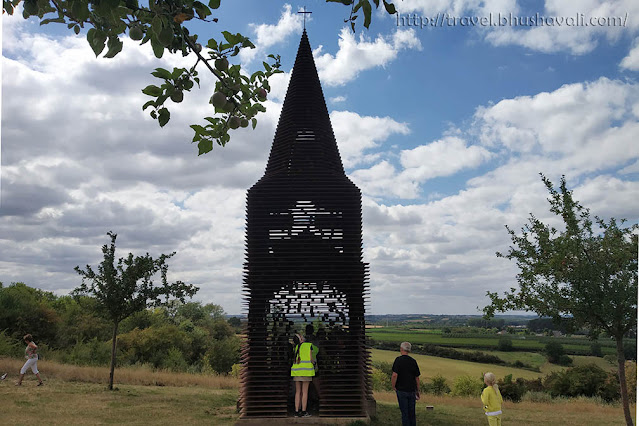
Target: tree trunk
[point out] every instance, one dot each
(621, 360)
(113, 346)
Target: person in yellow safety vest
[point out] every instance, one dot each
(491, 399)
(302, 371)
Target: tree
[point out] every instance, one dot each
(128, 288)
(556, 353)
(505, 343)
(28, 310)
(164, 23)
(585, 274)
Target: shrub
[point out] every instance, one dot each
(439, 385)
(467, 386)
(380, 380)
(152, 344)
(206, 368)
(474, 356)
(236, 369)
(385, 367)
(425, 387)
(631, 380)
(223, 354)
(534, 396)
(556, 354)
(510, 390)
(587, 380)
(9, 346)
(557, 384)
(612, 359)
(92, 352)
(505, 343)
(534, 385)
(174, 360)
(564, 360)
(610, 390)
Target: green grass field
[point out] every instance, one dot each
(75, 403)
(530, 343)
(537, 360)
(75, 395)
(452, 368)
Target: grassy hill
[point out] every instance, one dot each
(535, 359)
(451, 368)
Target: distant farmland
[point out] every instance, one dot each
(579, 346)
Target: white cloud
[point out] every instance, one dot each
(355, 56)
(440, 158)
(583, 126)
(337, 99)
(631, 62)
(80, 158)
(356, 134)
(269, 35)
(446, 246)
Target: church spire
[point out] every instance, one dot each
(304, 142)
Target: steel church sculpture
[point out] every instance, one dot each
(304, 262)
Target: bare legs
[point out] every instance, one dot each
(19, 382)
(301, 395)
(305, 394)
(298, 395)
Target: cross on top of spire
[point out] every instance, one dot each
(304, 13)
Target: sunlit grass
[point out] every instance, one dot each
(467, 411)
(77, 395)
(126, 375)
(452, 368)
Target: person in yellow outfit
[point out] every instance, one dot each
(491, 399)
(302, 371)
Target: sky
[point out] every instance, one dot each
(443, 124)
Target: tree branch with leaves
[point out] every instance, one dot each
(238, 97)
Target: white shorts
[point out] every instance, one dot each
(31, 363)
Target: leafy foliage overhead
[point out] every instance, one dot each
(163, 24)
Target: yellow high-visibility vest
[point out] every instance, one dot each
(305, 366)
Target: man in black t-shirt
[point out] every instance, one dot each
(405, 381)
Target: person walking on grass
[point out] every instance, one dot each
(302, 371)
(31, 354)
(491, 399)
(405, 382)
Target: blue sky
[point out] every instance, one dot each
(444, 129)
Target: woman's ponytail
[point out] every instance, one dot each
(297, 341)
